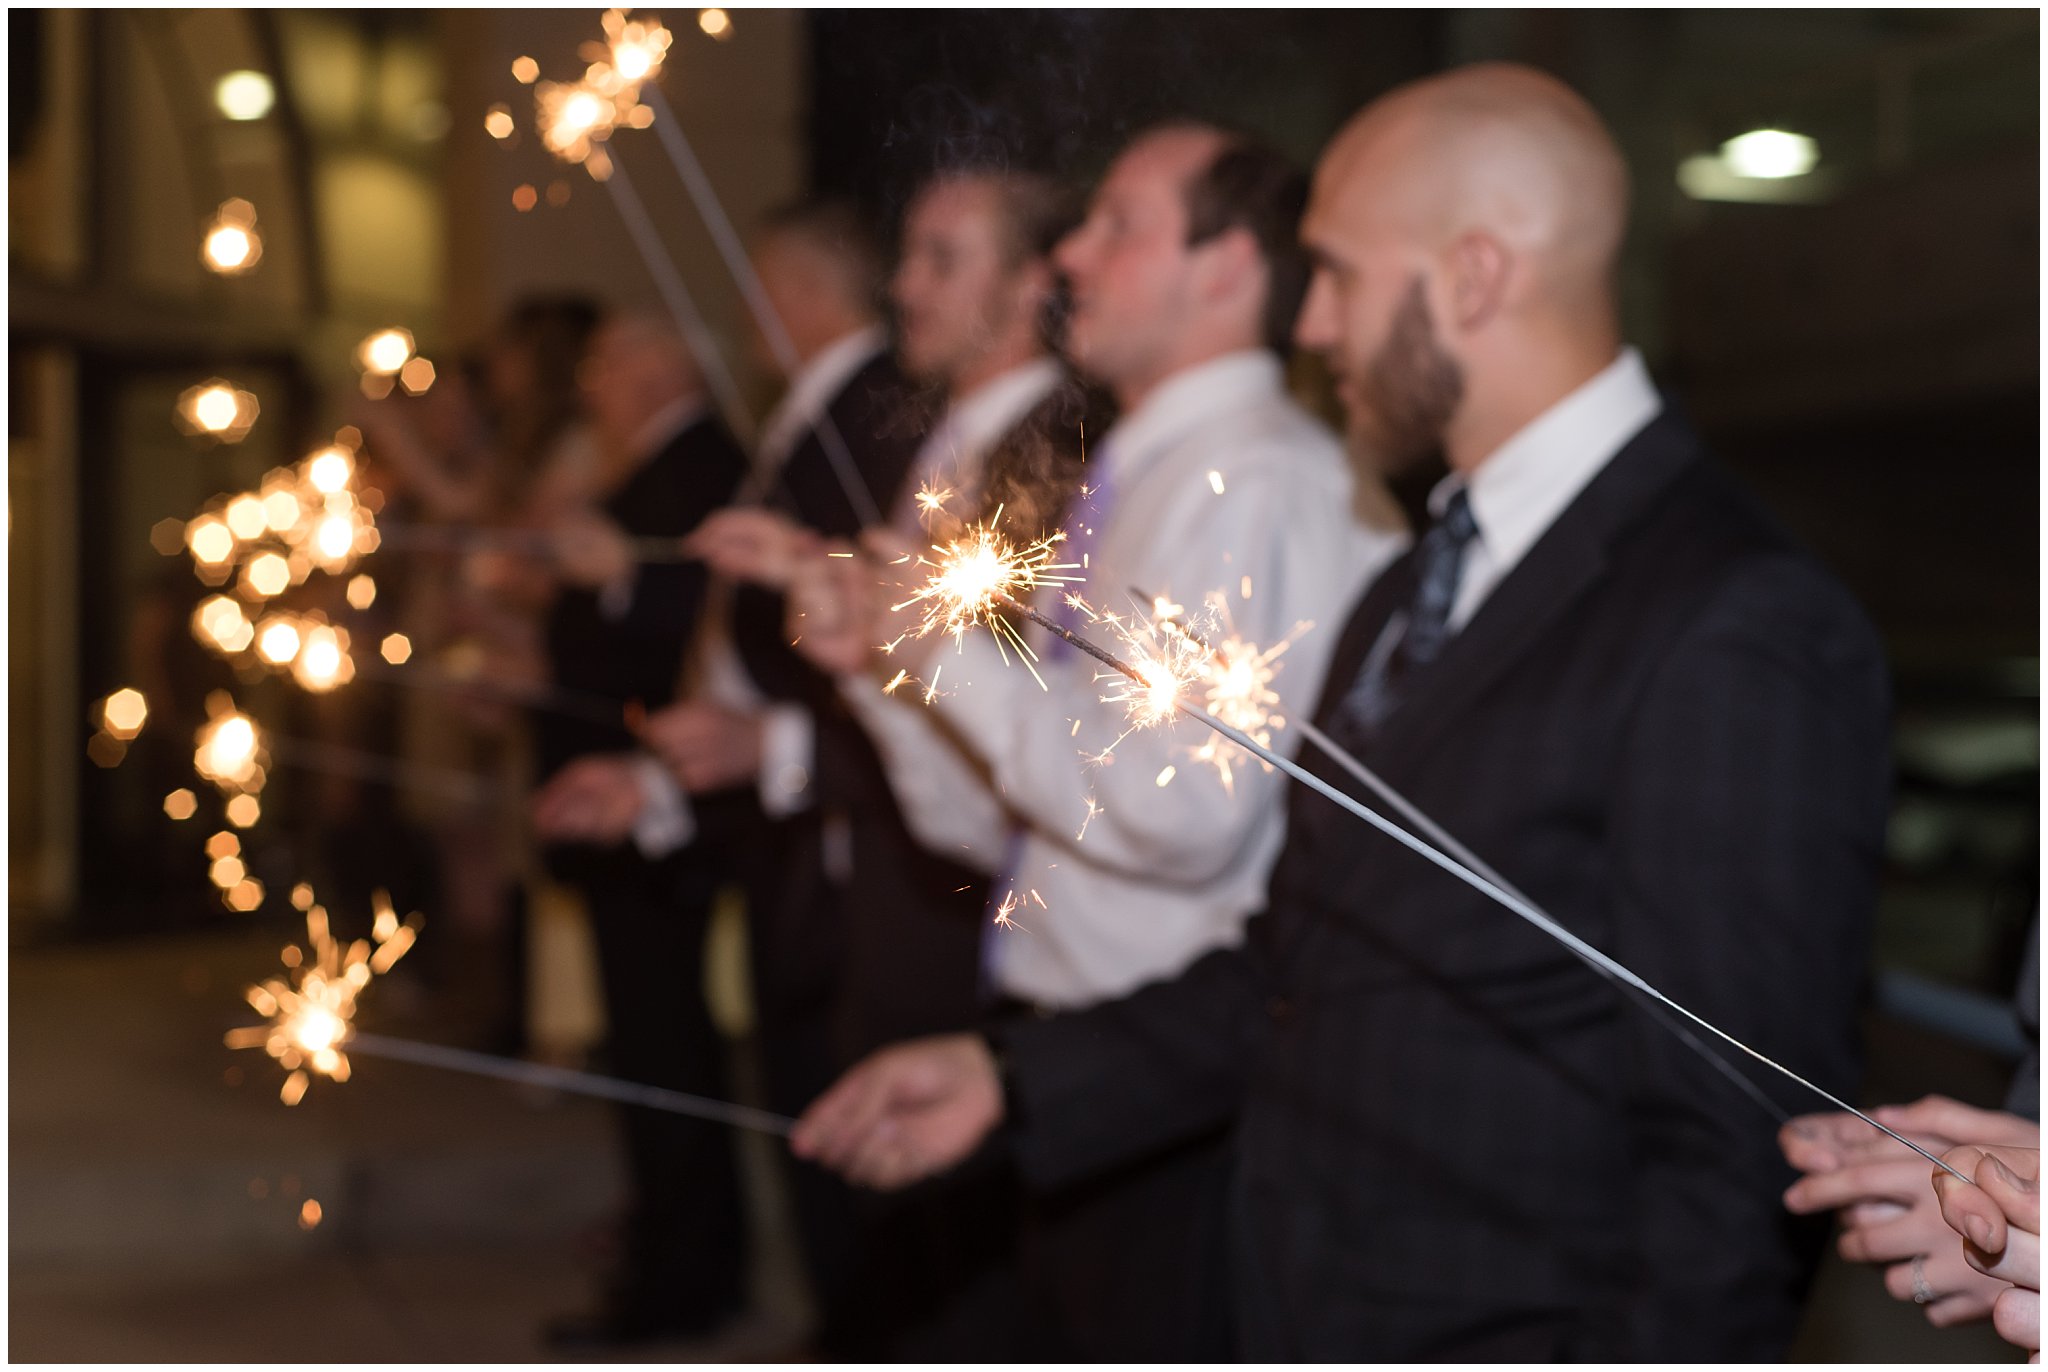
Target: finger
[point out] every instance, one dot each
(839, 1121)
(1951, 1119)
(1963, 1308)
(1899, 1240)
(2017, 1196)
(1895, 1181)
(2018, 1261)
(2016, 1315)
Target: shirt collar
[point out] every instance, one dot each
(815, 384)
(976, 420)
(1526, 483)
(1186, 400)
(663, 425)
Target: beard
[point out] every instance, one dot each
(1409, 390)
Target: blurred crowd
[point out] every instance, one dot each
(1104, 1044)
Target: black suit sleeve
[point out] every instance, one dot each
(1092, 1089)
(1746, 819)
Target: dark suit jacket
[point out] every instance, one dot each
(795, 910)
(639, 655)
(1667, 726)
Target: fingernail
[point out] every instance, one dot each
(2007, 1175)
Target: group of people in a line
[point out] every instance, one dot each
(1105, 1050)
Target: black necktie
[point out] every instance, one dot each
(1439, 558)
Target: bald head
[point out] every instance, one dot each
(1496, 149)
(1466, 229)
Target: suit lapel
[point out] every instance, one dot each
(1555, 574)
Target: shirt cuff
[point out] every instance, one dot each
(789, 757)
(666, 822)
(615, 598)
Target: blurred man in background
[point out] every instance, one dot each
(618, 632)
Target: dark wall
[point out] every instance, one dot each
(896, 93)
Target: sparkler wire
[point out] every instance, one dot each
(574, 1082)
(669, 282)
(712, 211)
(1520, 907)
(537, 543)
(1443, 839)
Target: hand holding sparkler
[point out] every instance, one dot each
(842, 603)
(590, 550)
(706, 745)
(594, 799)
(1999, 1217)
(905, 1113)
(748, 543)
(1890, 1216)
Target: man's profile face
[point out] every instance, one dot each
(955, 288)
(1128, 263)
(1368, 315)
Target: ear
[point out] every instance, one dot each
(1231, 263)
(1481, 269)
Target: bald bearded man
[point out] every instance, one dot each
(1604, 670)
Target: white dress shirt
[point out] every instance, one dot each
(1521, 487)
(1218, 483)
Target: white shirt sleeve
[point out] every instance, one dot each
(945, 796)
(1149, 805)
(666, 822)
(789, 760)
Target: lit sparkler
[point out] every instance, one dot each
(981, 573)
(1493, 890)
(310, 1010)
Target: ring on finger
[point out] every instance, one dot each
(1923, 1294)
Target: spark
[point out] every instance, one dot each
(181, 804)
(324, 663)
(1216, 482)
(245, 517)
(716, 23)
(1087, 819)
(220, 621)
(895, 681)
(277, 641)
(573, 118)
(331, 469)
(1004, 917)
(395, 649)
(243, 811)
(383, 353)
(1165, 775)
(211, 541)
(229, 752)
(362, 592)
(267, 575)
(124, 712)
(232, 245)
(216, 409)
(1234, 675)
(975, 576)
(932, 499)
(309, 1013)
